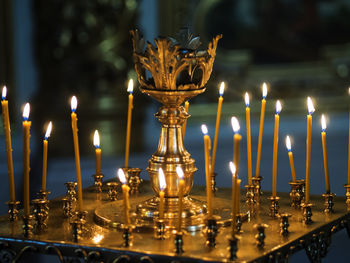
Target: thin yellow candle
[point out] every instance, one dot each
(275, 148)
(236, 139)
(128, 125)
(325, 156)
(97, 151)
(311, 110)
(7, 131)
(162, 186)
(181, 186)
(74, 104)
(218, 116)
(45, 148)
(291, 160)
(187, 104)
(261, 129)
(126, 190)
(234, 203)
(349, 147)
(238, 194)
(249, 140)
(207, 169)
(26, 159)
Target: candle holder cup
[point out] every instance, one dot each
(257, 188)
(13, 211)
(112, 191)
(284, 224)
(297, 193)
(40, 214)
(160, 229)
(78, 224)
(274, 207)
(134, 180)
(307, 213)
(178, 242)
(213, 182)
(328, 202)
(210, 232)
(347, 195)
(27, 225)
(250, 194)
(98, 182)
(260, 236)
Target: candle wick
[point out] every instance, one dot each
(46, 138)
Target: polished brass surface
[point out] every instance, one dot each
(328, 202)
(98, 182)
(109, 242)
(297, 193)
(134, 179)
(13, 210)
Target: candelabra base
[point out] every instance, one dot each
(13, 211)
(328, 202)
(98, 182)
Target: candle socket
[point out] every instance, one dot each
(233, 247)
(257, 188)
(79, 225)
(98, 182)
(112, 191)
(27, 225)
(274, 206)
(13, 211)
(307, 213)
(134, 181)
(41, 214)
(260, 236)
(160, 229)
(284, 223)
(210, 232)
(250, 194)
(127, 235)
(71, 192)
(178, 242)
(328, 202)
(297, 193)
(347, 195)
(44, 196)
(213, 182)
(69, 201)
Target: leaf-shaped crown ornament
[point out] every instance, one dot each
(173, 64)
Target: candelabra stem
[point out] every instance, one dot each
(27, 226)
(178, 241)
(79, 225)
(43, 195)
(40, 214)
(210, 232)
(260, 236)
(13, 211)
(160, 229)
(213, 182)
(274, 207)
(233, 248)
(250, 194)
(127, 236)
(297, 193)
(257, 188)
(69, 201)
(284, 223)
(307, 213)
(98, 182)
(328, 202)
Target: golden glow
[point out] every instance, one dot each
(246, 99)
(96, 139)
(232, 168)
(310, 105)
(121, 176)
(204, 129)
(323, 122)
(48, 130)
(26, 111)
(74, 103)
(264, 90)
(222, 88)
(4, 92)
(131, 86)
(180, 173)
(288, 143)
(97, 238)
(162, 183)
(235, 124)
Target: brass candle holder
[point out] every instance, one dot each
(328, 202)
(250, 194)
(27, 225)
(239, 222)
(213, 182)
(307, 213)
(284, 225)
(13, 211)
(233, 247)
(112, 191)
(44, 196)
(260, 236)
(98, 182)
(274, 207)
(257, 188)
(78, 224)
(178, 242)
(297, 193)
(69, 201)
(160, 229)
(211, 231)
(127, 235)
(347, 195)
(41, 214)
(134, 181)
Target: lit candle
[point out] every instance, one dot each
(187, 104)
(261, 129)
(249, 141)
(181, 186)
(98, 152)
(162, 185)
(128, 126)
(218, 116)
(45, 146)
(275, 148)
(238, 194)
(234, 203)
(126, 190)
(207, 169)
(311, 110)
(325, 156)
(7, 131)
(26, 159)
(291, 160)
(236, 139)
(74, 104)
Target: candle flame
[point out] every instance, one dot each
(130, 86)
(323, 122)
(162, 183)
(180, 173)
(222, 88)
(349, 91)
(246, 99)
(121, 176)
(310, 106)
(204, 129)
(96, 139)
(288, 144)
(264, 90)
(74, 103)
(26, 111)
(48, 130)
(232, 168)
(235, 124)
(278, 107)
(4, 92)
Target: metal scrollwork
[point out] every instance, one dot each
(51, 249)
(23, 250)
(6, 255)
(318, 247)
(146, 259)
(122, 259)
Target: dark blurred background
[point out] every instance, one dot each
(51, 50)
